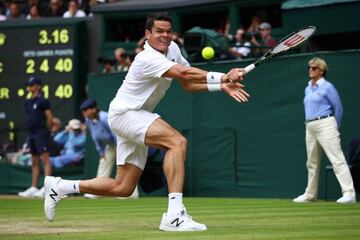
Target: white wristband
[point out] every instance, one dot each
(214, 77)
(214, 87)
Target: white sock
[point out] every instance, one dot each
(69, 186)
(175, 203)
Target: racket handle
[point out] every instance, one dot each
(249, 68)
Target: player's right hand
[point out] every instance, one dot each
(234, 75)
(236, 91)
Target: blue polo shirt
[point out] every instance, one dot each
(35, 108)
(101, 132)
(322, 99)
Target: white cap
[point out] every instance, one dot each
(74, 124)
(265, 25)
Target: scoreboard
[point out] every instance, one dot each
(53, 51)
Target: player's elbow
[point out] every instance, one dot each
(184, 73)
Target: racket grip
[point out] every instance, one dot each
(249, 68)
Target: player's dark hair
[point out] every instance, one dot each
(158, 16)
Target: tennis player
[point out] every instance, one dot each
(136, 127)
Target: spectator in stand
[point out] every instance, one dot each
(254, 25)
(40, 7)
(55, 9)
(15, 12)
(73, 138)
(267, 41)
(55, 148)
(2, 17)
(140, 45)
(85, 5)
(34, 13)
(5, 9)
(241, 48)
(2, 11)
(73, 10)
(122, 59)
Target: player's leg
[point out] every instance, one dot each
(127, 177)
(105, 166)
(123, 185)
(107, 163)
(329, 139)
(161, 134)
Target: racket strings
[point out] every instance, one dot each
(293, 40)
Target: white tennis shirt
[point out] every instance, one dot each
(144, 86)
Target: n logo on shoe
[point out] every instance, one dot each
(52, 195)
(177, 223)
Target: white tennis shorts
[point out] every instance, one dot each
(130, 128)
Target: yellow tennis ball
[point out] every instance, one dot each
(208, 53)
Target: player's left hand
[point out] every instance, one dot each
(236, 91)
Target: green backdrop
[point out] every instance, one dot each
(258, 148)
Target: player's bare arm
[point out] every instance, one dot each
(196, 75)
(195, 80)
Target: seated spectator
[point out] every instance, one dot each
(34, 13)
(22, 156)
(241, 48)
(73, 140)
(85, 5)
(267, 41)
(31, 3)
(5, 9)
(55, 148)
(265, 32)
(140, 45)
(122, 59)
(73, 10)
(254, 25)
(15, 12)
(55, 9)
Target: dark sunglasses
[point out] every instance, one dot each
(313, 68)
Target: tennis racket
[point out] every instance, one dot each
(291, 41)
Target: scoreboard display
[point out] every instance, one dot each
(53, 51)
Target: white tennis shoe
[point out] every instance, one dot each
(40, 193)
(29, 192)
(303, 199)
(346, 199)
(180, 223)
(52, 196)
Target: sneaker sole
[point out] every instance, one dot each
(171, 229)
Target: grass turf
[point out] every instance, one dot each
(226, 218)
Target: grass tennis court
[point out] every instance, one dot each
(226, 218)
